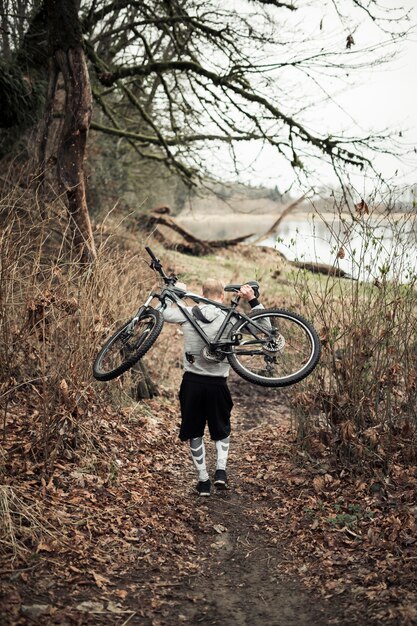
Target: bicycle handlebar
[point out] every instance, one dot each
(156, 265)
(151, 254)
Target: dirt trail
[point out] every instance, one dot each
(242, 579)
(145, 550)
(242, 583)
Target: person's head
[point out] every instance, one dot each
(213, 289)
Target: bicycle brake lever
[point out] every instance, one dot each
(155, 265)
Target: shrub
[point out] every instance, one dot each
(54, 314)
(360, 404)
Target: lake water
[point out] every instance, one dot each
(366, 249)
(371, 247)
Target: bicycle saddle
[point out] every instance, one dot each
(252, 283)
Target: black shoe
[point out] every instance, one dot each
(220, 479)
(203, 487)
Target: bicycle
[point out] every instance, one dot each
(268, 347)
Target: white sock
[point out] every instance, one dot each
(222, 450)
(198, 454)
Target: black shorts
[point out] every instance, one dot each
(204, 399)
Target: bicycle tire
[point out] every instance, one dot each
(290, 324)
(119, 342)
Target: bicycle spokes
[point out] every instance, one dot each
(281, 349)
(125, 345)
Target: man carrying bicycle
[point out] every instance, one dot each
(204, 395)
(272, 348)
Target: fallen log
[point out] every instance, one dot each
(321, 268)
(159, 223)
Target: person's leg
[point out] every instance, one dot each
(219, 425)
(222, 451)
(192, 429)
(198, 454)
(220, 475)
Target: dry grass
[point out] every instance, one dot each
(25, 525)
(55, 313)
(360, 404)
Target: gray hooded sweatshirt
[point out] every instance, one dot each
(193, 344)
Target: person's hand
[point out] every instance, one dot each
(246, 292)
(181, 286)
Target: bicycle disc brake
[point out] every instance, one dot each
(275, 344)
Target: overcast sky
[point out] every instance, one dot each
(383, 98)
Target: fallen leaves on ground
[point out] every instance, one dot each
(116, 528)
(340, 534)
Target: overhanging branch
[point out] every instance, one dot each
(147, 139)
(326, 145)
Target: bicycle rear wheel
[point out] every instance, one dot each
(128, 344)
(283, 351)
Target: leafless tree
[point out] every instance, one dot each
(174, 76)
(68, 60)
(171, 77)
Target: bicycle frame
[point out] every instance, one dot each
(257, 334)
(176, 295)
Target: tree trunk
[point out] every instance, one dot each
(143, 387)
(71, 151)
(4, 29)
(67, 53)
(46, 122)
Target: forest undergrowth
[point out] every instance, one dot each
(99, 520)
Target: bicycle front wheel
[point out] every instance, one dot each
(280, 349)
(128, 344)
